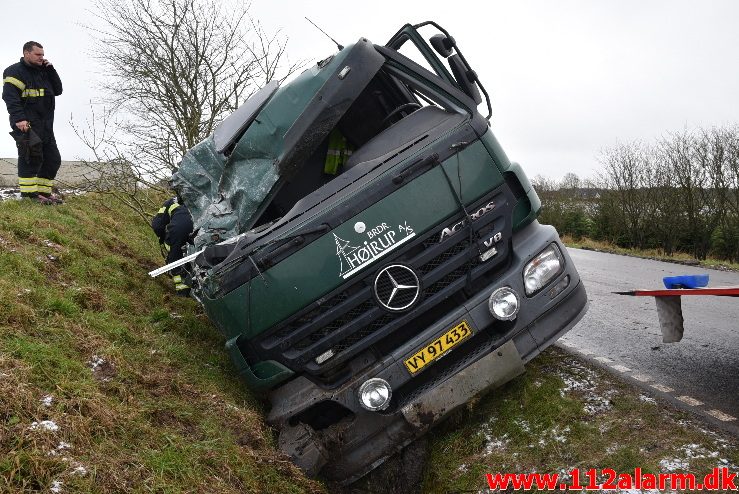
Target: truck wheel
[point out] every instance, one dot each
(400, 474)
(304, 448)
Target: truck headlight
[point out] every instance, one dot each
(374, 394)
(542, 269)
(504, 304)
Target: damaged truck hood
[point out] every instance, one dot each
(229, 179)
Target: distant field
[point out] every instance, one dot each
(71, 172)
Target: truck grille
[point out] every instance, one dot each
(349, 320)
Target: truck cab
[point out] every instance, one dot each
(370, 253)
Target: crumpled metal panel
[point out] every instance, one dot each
(200, 181)
(226, 194)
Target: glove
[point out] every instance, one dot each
(30, 145)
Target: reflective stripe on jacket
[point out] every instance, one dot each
(339, 151)
(29, 92)
(160, 221)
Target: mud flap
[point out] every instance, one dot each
(670, 312)
(490, 372)
(304, 448)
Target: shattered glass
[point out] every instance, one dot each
(223, 194)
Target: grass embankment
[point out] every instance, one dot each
(564, 414)
(108, 382)
(656, 254)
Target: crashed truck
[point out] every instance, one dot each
(369, 301)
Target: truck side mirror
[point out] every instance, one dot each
(442, 44)
(465, 77)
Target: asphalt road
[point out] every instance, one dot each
(700, 373)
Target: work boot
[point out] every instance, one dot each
(38, 198)
(181, 286)
(52, 197)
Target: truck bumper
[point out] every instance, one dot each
(362, 440)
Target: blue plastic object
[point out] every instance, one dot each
(686, 281)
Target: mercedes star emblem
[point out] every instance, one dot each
(397, 287)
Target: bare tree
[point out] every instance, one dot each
(570, 181)
(565, 204)
(668, 218)
(172, 70)
(543, 184)
(626, 173)
(688, 158)
(732, 223)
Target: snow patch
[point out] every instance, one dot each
(495, 444)
(560, 436)
(95, 362)
(596, 404)
(698, 451)
(60, 448)
(565, 474)
(690, 452)
(51, 244)
(647, 399)
(724, 463)
(581, 379)
(9, 193)
(14, 193)
(555, 434)
(56, 486)
(47, 425)
(674, 465)
(523, 425)
(492, 442)
(47, 400)
(102, 369)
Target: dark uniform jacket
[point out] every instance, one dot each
(28, 92)
(173, 225)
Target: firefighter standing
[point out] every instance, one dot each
(173, 225)
(29, 89)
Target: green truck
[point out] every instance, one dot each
(370, 253)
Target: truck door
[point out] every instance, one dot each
(409, 42)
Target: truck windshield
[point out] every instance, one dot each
(287, 162)
(389, 115)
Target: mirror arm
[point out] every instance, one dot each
(461, 56)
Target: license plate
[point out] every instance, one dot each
(440, 346)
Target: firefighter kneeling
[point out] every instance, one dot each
(173, 225)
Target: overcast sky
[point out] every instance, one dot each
(567, 78)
